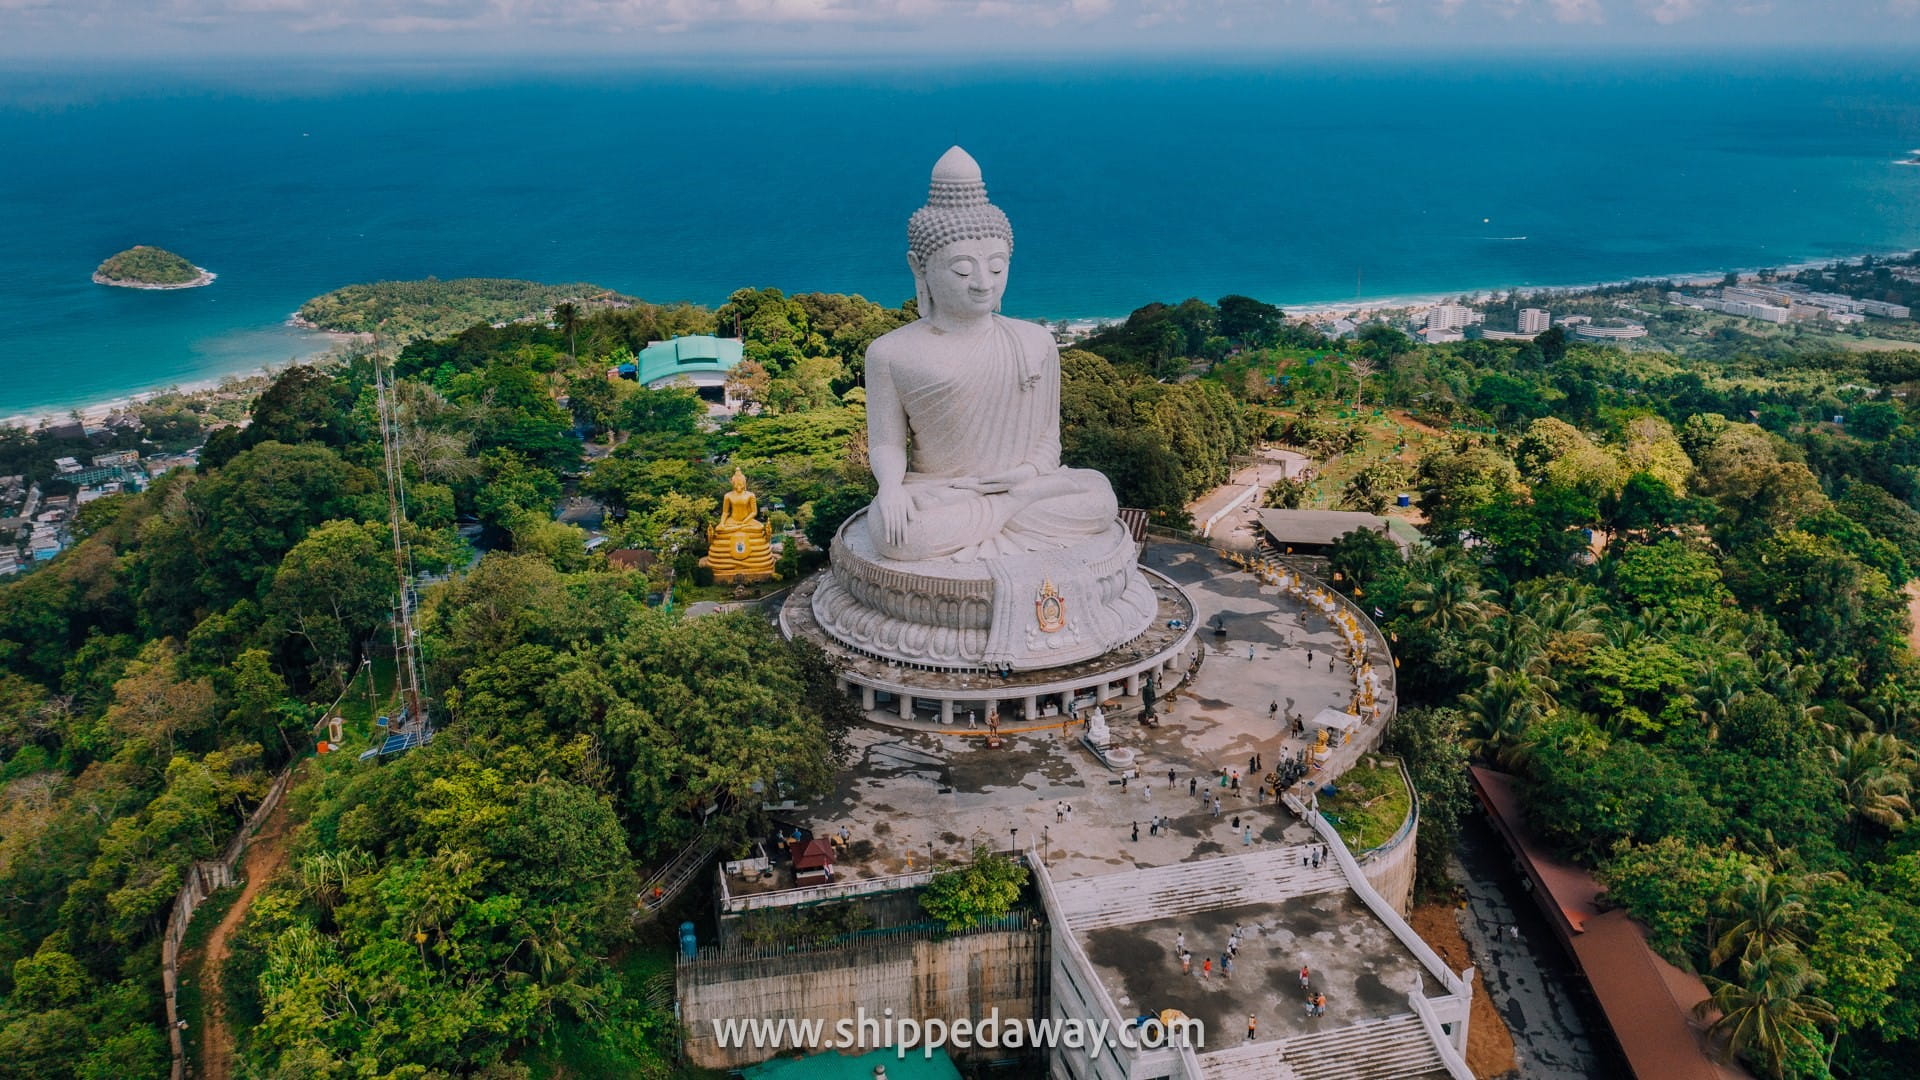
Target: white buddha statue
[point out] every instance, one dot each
(980, 551)
(963, 405)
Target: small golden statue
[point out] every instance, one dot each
(739, 547)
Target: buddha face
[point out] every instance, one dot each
(966, 279)
(739, 482)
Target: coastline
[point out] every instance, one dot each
(206, 278)
(36, 417)
(1368, 305)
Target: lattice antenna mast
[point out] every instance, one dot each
(409, 666)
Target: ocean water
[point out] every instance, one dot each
(1299, 181)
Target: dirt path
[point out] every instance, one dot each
(264, 855)
(1489, 1044)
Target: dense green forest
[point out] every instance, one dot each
(1708, 703)
(144, 265)
(405, 310)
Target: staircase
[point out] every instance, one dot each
(1393, 1048)
(667, 883)
(1162, 892)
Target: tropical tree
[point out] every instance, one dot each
(1501, 715)
(1758, 917)
(566, 317)
(1768, 1014)
(1446, 595)
(1873, 773)
(986, 887)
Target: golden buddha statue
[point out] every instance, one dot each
(739, 546)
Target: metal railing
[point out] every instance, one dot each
(667, 883)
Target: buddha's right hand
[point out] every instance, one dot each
(893, 508)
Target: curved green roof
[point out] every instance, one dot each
(663, 360)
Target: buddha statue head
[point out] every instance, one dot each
(958, 244)
(739, 480)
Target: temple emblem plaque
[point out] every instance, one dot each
(1050, 609)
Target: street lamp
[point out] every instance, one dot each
(1015, 830)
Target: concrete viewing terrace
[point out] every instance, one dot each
(920, 793)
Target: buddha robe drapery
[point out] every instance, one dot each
(989, 409)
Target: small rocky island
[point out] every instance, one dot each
(146, 267)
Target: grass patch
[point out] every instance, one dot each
(191, 1001)
(1372, 804)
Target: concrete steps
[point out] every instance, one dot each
(1253, 1061)
(1137, 896)
(1392, 1048)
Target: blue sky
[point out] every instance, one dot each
(883, 27)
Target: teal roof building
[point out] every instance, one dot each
(832, 1066)
(702, 360)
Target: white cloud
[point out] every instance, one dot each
(1577, 11)
(1668, 12)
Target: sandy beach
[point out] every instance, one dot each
(1077, 325)
(206, 278)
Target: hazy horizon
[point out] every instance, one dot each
(858, 29)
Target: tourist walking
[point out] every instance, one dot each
(1306, 978)
(1249, 653)
(1179, 942)
(1059, 812)
(1252, 1026)
(1147, 791)
(1136, 832)
(1193, 784)
(1169, 777)
(1226, 965)
(1206, 968)
(1246, 837)
(1319, 1004)
(1186, 962)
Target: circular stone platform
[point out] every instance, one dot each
(1162, 648)
(983, 614)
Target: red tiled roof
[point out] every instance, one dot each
(1575, 893)
(813, 855)
(1647, 1001)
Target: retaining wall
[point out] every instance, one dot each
(920, 974)
(1389, 868)
(204, 878)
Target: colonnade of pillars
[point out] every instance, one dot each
(1030, 705)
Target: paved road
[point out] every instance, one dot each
(1236, 529)
(1529, 976)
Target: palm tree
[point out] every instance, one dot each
(1762, 915)
(1768, 1011)
(1501, 715)
(1448, 595)
(1716, 696)
(1872, 771)
(566, 316)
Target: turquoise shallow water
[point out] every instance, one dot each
(1297, 182)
